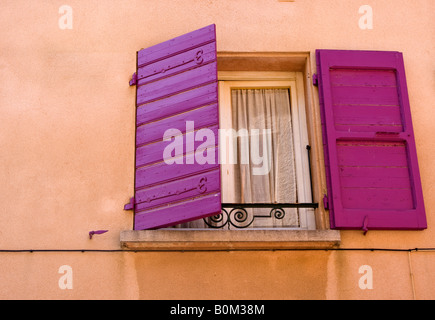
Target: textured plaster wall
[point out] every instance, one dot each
(67, 141)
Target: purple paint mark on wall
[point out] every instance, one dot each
(92, 233)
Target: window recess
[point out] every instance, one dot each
(275, 190)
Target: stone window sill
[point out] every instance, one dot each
(215, 240)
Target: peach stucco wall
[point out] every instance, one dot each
(67, 141)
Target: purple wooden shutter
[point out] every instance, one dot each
(176, 83)
(370, 156)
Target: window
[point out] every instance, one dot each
(177, 86)
(371, 168)
(263, 152)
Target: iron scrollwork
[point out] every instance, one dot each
(239, 217)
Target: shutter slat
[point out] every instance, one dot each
(154, 131)
(178, 190)
(182, 102)
(177, 45)
(152, 153)
(379, 96)
(368, 117)
(370, 157)
(377, 198)
(182, 82)
(162, 172)
(374, 177)
(361, 77)
(185, 61)
(179, 212)
(371, 154)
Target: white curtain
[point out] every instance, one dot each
(271, 180)
(265, 109)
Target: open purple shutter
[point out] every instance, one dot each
(177, 89)
(371, 161)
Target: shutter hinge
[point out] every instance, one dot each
(325, 202)
(133, 80)
(315, 79)
(365, 226)
(130, 205)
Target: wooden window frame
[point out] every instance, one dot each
(273, 79)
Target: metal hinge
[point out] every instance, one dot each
(315, 79)
(325, 202)
(133, 80)
(365, 226)
(130, 205)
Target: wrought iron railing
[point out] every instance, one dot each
(239, 217)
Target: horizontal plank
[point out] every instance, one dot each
(177, 83)
(175, 64)
(373, 154)
(375, 177)
(175, 191)
(367, 118)
(380, 172)
(178, 103)
(363, 77)
(349, 95)
(368, 128)
(371, 143)
(177, 45)
(359, 59)
(163, 172)
(179, 213)
(154, 131)
(367, 115)
(152, 153)
(375, 182)
(377, 198)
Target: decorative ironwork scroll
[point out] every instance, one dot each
(239, 217)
